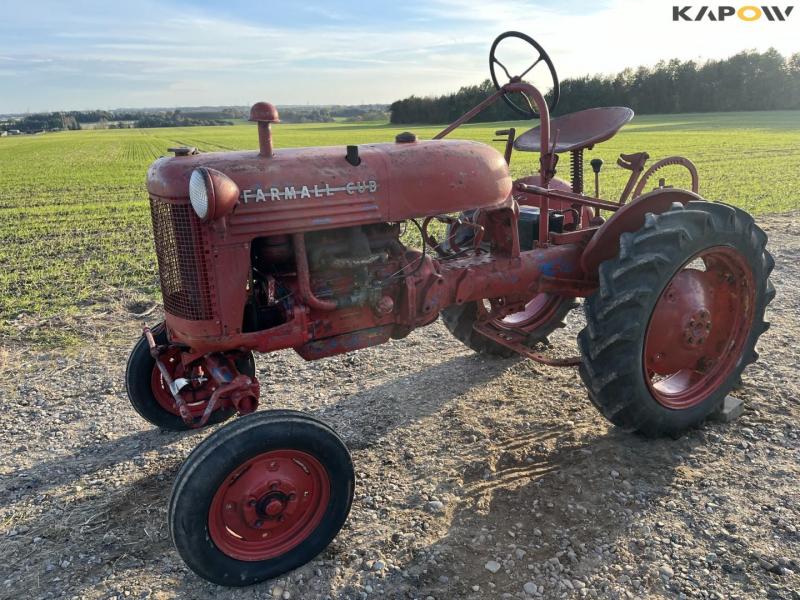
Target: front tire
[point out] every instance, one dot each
(676, 317)
(260, 497)
(151, 398)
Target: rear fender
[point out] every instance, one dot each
(605, 243)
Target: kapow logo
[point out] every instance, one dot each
(721, 13)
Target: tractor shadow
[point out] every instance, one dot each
(363, 418)
(360, 419)
(86, 460)
(561, 498)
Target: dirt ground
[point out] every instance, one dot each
(476, 478)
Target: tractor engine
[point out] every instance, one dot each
(300, 247)
(354, 279)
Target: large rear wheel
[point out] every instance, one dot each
(260, 497)
(676, 318)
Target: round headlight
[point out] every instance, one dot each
(199, 192)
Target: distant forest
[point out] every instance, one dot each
(746, 81)
(186, 117)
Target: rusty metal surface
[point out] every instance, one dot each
(515, 342)
(264, 112)
(635, 164)
(666, 162)
(630, 217)
(305, 189)
(303, 281)
(546, 158)
(566, 195)
(581, 129)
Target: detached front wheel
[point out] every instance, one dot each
(260, 497)
(676, 317)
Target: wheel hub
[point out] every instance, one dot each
(269, 505)
(698, 327)
(680, 323)
(272, 506)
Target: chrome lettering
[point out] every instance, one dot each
(301, 192)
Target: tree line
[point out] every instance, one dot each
(746, 81)
(125, 118)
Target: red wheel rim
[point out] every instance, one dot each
(699, 327)
(537, 313)
(196, 395)
(269, 505)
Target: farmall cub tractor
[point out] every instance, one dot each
(302, 248)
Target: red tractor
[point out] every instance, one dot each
(302, 248)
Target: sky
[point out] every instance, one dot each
(88, 54)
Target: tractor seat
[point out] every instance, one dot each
(578, 130)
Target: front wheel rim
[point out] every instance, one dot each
(196, 395)
(269, 505)
(699, 327)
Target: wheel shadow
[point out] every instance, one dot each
(86, 460)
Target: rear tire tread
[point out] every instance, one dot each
(627, 286)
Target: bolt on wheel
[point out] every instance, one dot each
(260, 497)
(676, 317)
(698, 327)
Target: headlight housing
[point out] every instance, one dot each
(199, 188)
(212, 193)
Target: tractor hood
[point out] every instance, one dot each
(302, 189)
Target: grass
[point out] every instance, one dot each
(75, 226)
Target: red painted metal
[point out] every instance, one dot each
(546, 161)
(635, 164)
(264, 114)
(269, 505)
(698, 328)
(194, 399)
(578, 130)
(307, 189)
(605, 243)
(666, 162)
(567, 196)
(338, 277)
(194, 389)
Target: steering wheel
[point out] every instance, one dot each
(527, 110)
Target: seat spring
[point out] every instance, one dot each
(576, 170)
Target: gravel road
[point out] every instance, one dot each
(476, 478)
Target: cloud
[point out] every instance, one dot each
(180, 53)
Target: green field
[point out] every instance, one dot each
(74, 219)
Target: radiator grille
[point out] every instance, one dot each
(180, 249)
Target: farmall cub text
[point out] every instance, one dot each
(301, 248)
